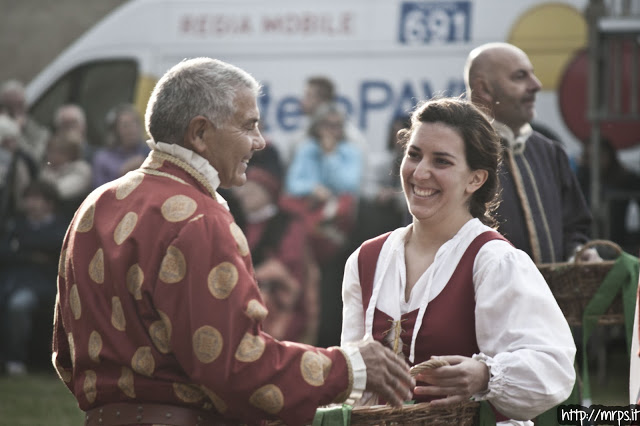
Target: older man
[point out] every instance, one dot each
(33, 136)
(543, 211)
(159, 316)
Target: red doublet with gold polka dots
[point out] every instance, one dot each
(157, 302)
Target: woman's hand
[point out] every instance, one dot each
(456, 382)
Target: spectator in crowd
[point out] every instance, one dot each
(29, 252)
(448, 288)
(285, 270)
(67, 170)
(322, 185)
(158, 308)
(543, 211)
(125, 148)
(15, 170)
(320, 90)
(33, 136)
(72, 117)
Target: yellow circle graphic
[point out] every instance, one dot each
(550, 34)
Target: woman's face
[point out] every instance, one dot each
(436, 178)
(128, 129)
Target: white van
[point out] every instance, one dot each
(383, 55)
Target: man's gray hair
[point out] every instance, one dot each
(199, 86)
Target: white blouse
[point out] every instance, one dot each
(521, 331)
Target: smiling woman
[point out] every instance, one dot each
(432, 289)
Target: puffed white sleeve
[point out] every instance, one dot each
(522, 334)
(352, 311)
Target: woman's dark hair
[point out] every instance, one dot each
(481, 146)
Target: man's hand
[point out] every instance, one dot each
(387, 373)
(456, 382)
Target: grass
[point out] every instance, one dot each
(39, 398)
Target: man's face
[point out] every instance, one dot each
(15, 103)
(513, 87)
(230, 147)
(311, 99)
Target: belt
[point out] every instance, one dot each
(117, 414)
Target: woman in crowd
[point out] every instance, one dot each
(449, 286)
(125, 148)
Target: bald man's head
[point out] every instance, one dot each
(499, 77)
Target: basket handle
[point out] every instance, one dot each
(593, 243)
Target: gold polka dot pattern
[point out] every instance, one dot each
(241, 240)
(222, 280)
(135, 278)
(89, 386)
(160, 332)
(207, 344)
(143, 362)
(178, 208)
(220, 405)
(64, 374)
(72, 349)
(312, 369)
(74, 302)
(326, 365)
(268, 398)
(61, 264)
(125, 382)
(250, 348)
(173, 267)
(96, 267)
(188, 393)
(125, 227)
(256, 310)
(155, 163)
(86, 214)
(131, 182)
(117, 314)
(95, 346)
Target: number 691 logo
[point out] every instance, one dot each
(434, 22)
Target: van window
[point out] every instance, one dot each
(95, 86)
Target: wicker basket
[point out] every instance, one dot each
(574, 284)
(422, 414)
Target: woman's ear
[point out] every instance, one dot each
(196, 131)
(478, 178)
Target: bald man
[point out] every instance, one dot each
(543, 211)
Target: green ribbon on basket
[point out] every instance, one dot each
(623, 276)
(339, 415)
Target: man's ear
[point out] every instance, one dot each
(482, 90)
(195, 134)
(478, 178)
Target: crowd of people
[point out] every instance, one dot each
(312, 277)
